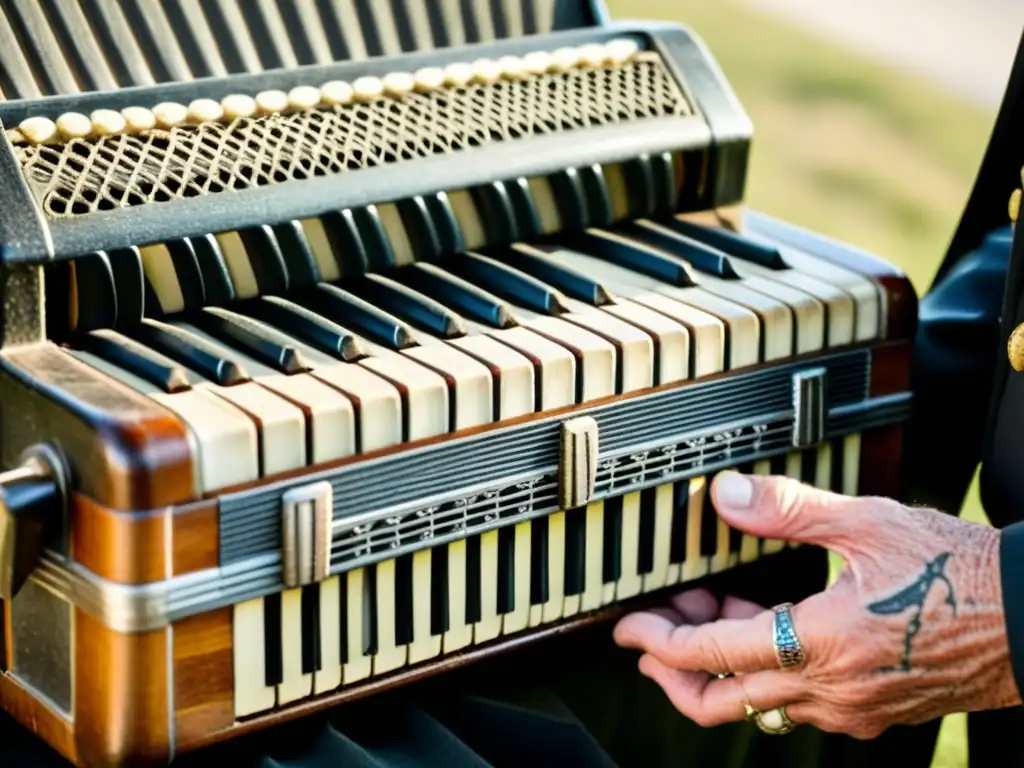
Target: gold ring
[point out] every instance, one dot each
(774, 721)
(751, 713)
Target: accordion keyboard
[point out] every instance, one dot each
(279, 351)
(65, 46)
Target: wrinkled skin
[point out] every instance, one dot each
(858, 678)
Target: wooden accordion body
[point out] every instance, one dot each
(317, 377)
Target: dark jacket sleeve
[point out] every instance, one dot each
(956, 352)
(1011, 561)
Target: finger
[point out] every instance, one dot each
(784, 508)
(738, 608)
(710, 702)
(725, 645)
(696, 606)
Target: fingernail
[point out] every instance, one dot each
(734, 490)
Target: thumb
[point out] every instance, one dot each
(784, 508)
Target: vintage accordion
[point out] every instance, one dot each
(347, 340)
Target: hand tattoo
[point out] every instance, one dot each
(914, 597)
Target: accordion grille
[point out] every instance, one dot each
(83, 176)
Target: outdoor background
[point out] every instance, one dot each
(870, 118)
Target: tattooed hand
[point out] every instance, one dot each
(913, 629)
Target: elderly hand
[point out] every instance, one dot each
(913, 628)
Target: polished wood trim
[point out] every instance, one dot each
(539, 415)
(204, 683)
(195, 537)
(134, 547)
(121, 695)
(902, 306)
(7, 647)
(50, 726)
(126, 548)
(890, 369)
(126, 452)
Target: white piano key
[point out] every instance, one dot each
(599, 358)
(398, 236)
(460, 632)
(707, 327)
(425, 391)
(630, 582)
(635, 349)
(673, 357)
(552, 609)
(593, 579)
(453, 23)
(545, 202)
(295, 684)
(516, 374)
(161, 274)
(387, 33)
(474, 233)
(424, 645)
(768, 546)
(236, 258)
(329, 676)
(823, 467)
(389, 656)
(557, 365)
(223, 439)
(252, 695)
(470, 380)
(808, 311)
(489, 626)
(663, 501)
(358, 665)
(723, 559)
(696, 565)
(851, 465)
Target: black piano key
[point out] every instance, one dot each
(189, 351)
(350, 311)
(186, 270)
(536, 261)
(507, 569)
(95, 291)
(233, 48)
(472, 30)
(407, 304)
(346, 244)
(531, 24)
(438, 25)
(268, 36)
(273, 652)
(680, 515)
(119, 45)
(446, 224)
(296, 24)
(838, 468)
(368, 28)
(665, 182)
(129, 285)
(629, 254)
(195, 38)
(645, 550)
(440, 616)
(251, 338)
(403, 599)
(568, 190)
(165, 59)
(640, 187)
(708, 524)
(451, 291)
(311, 658)
(496, 212)
(216, 275)
(419, 228)
(809, 466)
(474, 602)
(595, 196)
(332, 25)
(376, 244)
(611, 565)
(266, 259)
(343, 613)
(575, 550)
(370, 639)
(307, 326)
(540, 589)
(703, 257)
(76, 42)
(729, 242)
(524, 210)
(406, 37)
(507, 283)
(137, 359)
(299, 260)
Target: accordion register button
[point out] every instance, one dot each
(32, 497)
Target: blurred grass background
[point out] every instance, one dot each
(847, 147)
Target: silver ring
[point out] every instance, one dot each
(774, 721)
(788, 650)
